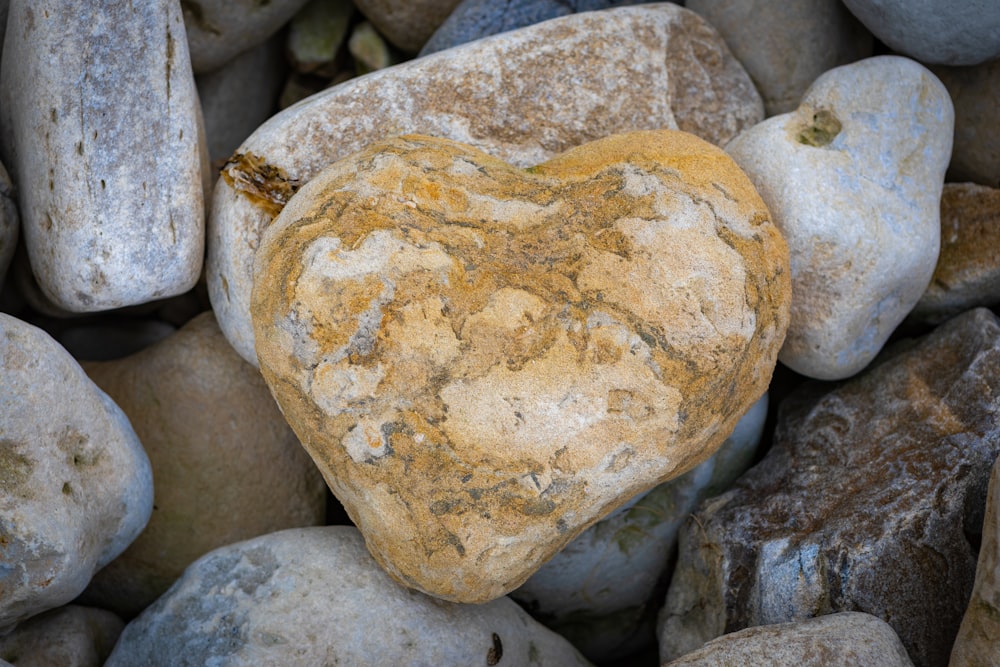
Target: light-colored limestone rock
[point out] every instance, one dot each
(406, 23)
(968, 269)
(975, 92)
(75, 483)
(523, 96)
(847, 639)
(227, 466)
(239, 96)
(853, 178)
(784, 46)
(219, 30)
(70, 636)
(603, 590)
(101, 130)
(9, 221)
(484, 360)
(978, 641)
(314, 596)
(940, 32)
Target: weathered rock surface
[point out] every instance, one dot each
(523, 97)
(786, 46)
(9, 222)
(239, 96)
(603, 590)
(847, 639)
(219, 30)
(70, 636)
(109, 184)
(484, 360)
(312, 596)
(75, 483)
(227, 466)
(408, 24)
(860, 505)
(975, 92)
(978, 641)
(853, 178)
(941, 32)
(968, 269)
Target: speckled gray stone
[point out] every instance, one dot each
(853, 178)
(70, 636)
(101, 130)
(862, 504)
(314, 596)
(75, 484)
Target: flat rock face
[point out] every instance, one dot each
(968, 269)
(110, 184)
(484, 360)
(226, 464)
(314, 596)
(853, 178)
(523, 97)
(940, 32)
(975, 92)
(978, 641)
(75, 483)
(861, 504)
(847, 639)
(70, 636)
(408, 24)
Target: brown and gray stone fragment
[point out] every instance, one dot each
(227, 466)
(862, 504)
(70, 636)
(523, 97)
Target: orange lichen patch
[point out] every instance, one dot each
(494, 352)
(267, 186)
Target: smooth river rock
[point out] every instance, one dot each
(314, 596)
(853, 178)
(847, 639)
(484, 360)
(75, 484)
(975, 92)
(101, 129)
(226, 464)
(70, 636)
(523, 96)
(603, 590)
(408, 24)
(862, 504)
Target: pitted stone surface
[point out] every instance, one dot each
(523, 97)
(484, 360)
(862, 504)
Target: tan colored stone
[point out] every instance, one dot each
(484, 360)
(227, 466)
(408, 24)
(967, 274)
(522, 96)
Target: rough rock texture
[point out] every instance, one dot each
(523, 97)
(314, 596)
(847, 639)
(860, 505)
(476, 19)
(75, 483)
(227, 466)
(975, 92)
(968, 269)
(785, 45)
(484, 360)
(941, 32)
(978, 641)
(408, 24)
(70, 636)
(219, 30)
(239, 96)
(853, 178)
(110, 184)
(9, 222)
(603, 590)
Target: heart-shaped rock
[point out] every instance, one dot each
(484, 360)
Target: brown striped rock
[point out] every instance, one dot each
(523, 96)
(484, 360)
